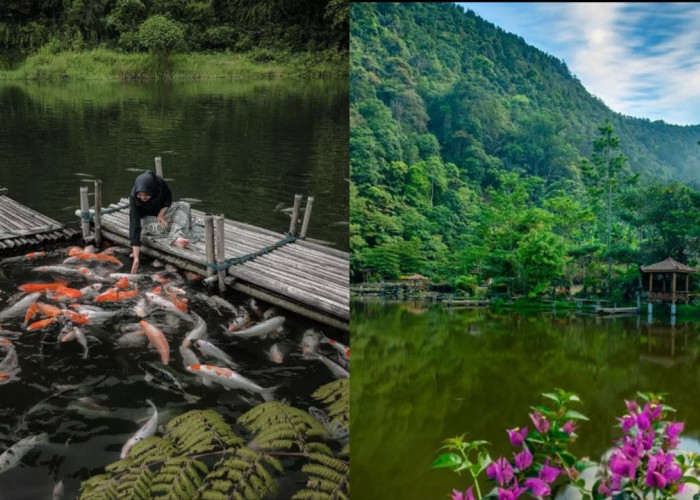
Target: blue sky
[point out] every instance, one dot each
(640, 59)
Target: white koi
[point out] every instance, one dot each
(262, 329)
(198, 332)
(12, 456)
(335, 368)
(210, 350)
(275, 354)
(21, 306)
(148, 430)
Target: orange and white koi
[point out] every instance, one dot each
(75, 317)
(230, 380)
(342, 349)
(157, 339)
(211, 351)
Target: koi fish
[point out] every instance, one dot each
(270, 313)
(114, 295)
(63, 293)
(101, 257)
(73, 250)
(188, 356)
(131, 277)
(192, 276)
(20, 306)
(275, 354)
(230, 380)
(211, 351)
(41, 324)
(164, 378)
(240, 322)
(198, 332)
(335, 368)
(262, 329)
(148, 430)
(78, 272)
(310, 341)
(75, 317)
(164, 303)
(342, 349)
(13, 455)
(157, 340)
(21, 258)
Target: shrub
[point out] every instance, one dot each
(161, 35)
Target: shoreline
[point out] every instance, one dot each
(111, 66)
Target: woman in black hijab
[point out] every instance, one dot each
(152, 197)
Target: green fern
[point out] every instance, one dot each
(200, 431)
(336, 396)
(178, 478)
(282, 427)
(244, 475)
(169, 467)
(329, 479)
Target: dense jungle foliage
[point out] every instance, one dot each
(476, 157)
(186, 25)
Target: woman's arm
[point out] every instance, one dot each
(135, 265)
(161, 218)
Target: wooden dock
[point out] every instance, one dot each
(306, 278)
(23, 229)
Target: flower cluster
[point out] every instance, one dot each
(642, 459)
(642, 463)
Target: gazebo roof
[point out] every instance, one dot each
(669, 265)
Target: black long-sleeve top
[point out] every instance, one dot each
(161, 196)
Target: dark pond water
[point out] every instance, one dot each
(423, 374)
(242, 149)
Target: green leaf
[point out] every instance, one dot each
(475, 444)
(552, 396)
(450, 460)
(583, 464)
(690, 479)
(574, 415)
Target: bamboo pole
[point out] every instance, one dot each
(98, 213)
(220, 250)
(307, 216)
(159, 167)
(84, 212)
(209, 242)
(295, 214)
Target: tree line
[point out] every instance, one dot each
(204, 25)
(475, 157)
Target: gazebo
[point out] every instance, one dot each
(416, 282)
(664, 282)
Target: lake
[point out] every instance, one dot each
(423, 373)
(238, 149)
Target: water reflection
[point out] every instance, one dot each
(420, 378)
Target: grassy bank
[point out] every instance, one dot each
(107, 65)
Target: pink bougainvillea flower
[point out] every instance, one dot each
(511, 493)
(540, 421)
(538, 487)
(653, 411)
(627, 422)
(548, 474)
(621, 465)
(517, 436)
(458, 495)
(500, 471)
(569, 427)
(523, 460)
(632, 406)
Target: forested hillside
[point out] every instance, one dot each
(207, 25)
(477, 156)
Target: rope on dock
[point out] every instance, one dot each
(234, 261)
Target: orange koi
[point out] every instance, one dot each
(114, 295)
(157, 339)
(179, 302)
(41, 324)
(192, 276)
(35, 255)
(63, 293)
(40, 287)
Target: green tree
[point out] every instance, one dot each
(161, 36)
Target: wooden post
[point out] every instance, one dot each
(307, 216)
(220, 250)
(295, 214)
(98, 213)
(159, 167)
(209, 242)
(84, 212)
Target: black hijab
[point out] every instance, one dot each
(148, 182)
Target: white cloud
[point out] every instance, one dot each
(642, 60)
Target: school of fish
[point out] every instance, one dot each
(76, 295)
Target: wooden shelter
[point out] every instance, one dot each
(416, 282)
(668, 281)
